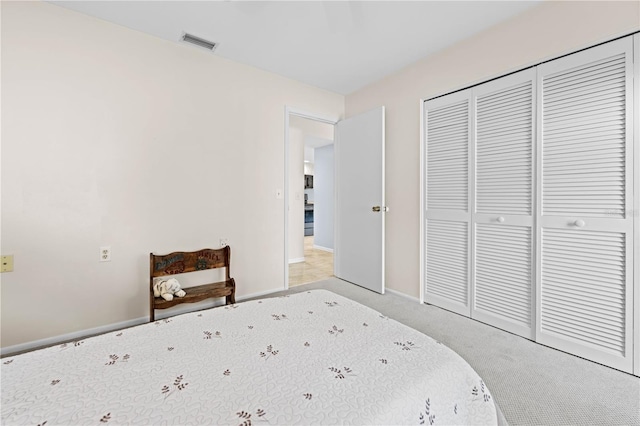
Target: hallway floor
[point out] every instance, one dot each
(317, 265)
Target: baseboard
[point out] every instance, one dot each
(258, 294)
(76, 335)
(83, 334)
(296, 260)
(330, 250)
(406, 296)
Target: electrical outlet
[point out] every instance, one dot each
(105, 254)
(6, 265)
(224, 242)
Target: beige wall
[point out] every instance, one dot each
(548, 30)
(113, 137)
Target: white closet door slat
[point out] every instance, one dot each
(503, 285)
(451, 120)
(597, 65)
(580, 118)
(511, 166)
(585, 276)
(447, 276)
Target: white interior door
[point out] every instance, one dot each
(360, 201)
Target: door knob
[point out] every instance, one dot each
(500, 219)
(579, 223)
(375, 208)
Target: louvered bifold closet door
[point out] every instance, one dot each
(447, 234)
(502, 284)
(585, 215)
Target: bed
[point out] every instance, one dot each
(308, 358)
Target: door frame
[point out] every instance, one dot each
(636, 204)
(298, 112)
(423, 188)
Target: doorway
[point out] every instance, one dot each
(310, 197)
(359, 205)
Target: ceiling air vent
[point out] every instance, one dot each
(209, 45)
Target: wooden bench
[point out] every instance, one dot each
(181, 262)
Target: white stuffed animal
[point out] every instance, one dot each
(167, 288)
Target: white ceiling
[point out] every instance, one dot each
(340, 46)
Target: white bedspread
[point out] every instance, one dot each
(309, 358)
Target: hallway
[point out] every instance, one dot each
(318, 265)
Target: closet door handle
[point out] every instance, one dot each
(579, 223)
(500, 219)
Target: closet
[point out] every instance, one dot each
(529, 198)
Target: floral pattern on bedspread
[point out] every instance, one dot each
(308, 358)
